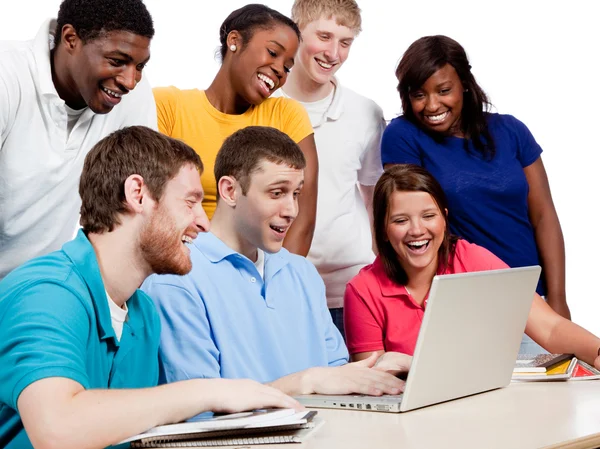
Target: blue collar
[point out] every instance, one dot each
(215, 250)
(81, 252)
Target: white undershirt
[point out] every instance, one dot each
(317, 109)
(260, 262)
(118, 316)
(72, 117)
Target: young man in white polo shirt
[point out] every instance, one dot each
(348, 130)
(57, 94)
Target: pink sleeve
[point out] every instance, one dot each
(477, 258)
(363, 331)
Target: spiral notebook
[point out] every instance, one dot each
(257, 427)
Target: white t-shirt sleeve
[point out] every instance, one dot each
(371, 167)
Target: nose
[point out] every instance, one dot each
(201, 220)
(290, 207)
(431, 103)
(129, 77)
(332, 50)
(416, 228)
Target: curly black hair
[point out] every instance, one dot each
(94, 18)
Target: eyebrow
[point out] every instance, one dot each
(329, 33)
(196, 194)
(284, 182)
(126, 56)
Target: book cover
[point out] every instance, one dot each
(538, 363)
(560, 371)
(235, 421)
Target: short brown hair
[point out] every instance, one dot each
(346, 12)
(406, 178)
(243, 151)
(128, 151)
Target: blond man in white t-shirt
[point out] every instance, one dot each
(348, 130)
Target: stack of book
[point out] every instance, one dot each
(256, 427)
(550, 367)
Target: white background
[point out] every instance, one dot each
(537, 60)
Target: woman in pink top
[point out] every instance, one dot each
(385, 302)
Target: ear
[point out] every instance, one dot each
(229, 190)
(234, 38)
(446, 212)
(69, 38)
(136, 194)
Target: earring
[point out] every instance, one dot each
(233, 47)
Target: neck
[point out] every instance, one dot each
(223, 226)
(122, 268)
(63, 82)
(300, 87)
(223, 97)
(419, 281)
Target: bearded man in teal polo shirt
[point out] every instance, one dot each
(78, 340)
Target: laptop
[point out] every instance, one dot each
(468, 341)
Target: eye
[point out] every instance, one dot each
(276, 193)
(140, 67)
(287, 69)
(400, 220)
(417, 95)
(116, 62)
(429, 216)
(272, 53)
(445, 91)
(296, 193)
(346, 44)
(324, 37)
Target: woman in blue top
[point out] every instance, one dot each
(488, 164)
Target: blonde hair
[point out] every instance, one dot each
(346, 12)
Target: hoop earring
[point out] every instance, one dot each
(233, 47)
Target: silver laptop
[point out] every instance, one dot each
(468, 342)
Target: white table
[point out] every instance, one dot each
(523, 415)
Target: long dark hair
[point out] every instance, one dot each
(426, 56)
(406, 178)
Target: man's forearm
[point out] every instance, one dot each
(75, 422)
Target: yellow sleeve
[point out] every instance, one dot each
(294, 120)
(166, 99)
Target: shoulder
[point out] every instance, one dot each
(281, 105)
(174, 94)
(506, 121)
(16, 59)
(401, 125)
(51, 283)
(366, 105)
(298, 263)
(471, 257)
(368, 277)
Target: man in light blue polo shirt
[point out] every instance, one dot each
(249, 308)
(74, 327)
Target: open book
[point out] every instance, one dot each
(256, 427)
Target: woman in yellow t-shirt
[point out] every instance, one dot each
(258, 45)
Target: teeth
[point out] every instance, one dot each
(278, 229)
(324, 64)
(111, 93)
(267, 80)
(437, 118)
(186, 239)
(418, 244)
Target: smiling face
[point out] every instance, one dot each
(415, 228)
(104, 69)
(437, 104)
(324, 48)
(261, 66)
(264, 215)
(176, 221)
